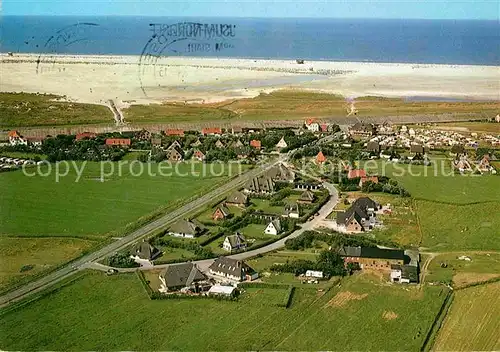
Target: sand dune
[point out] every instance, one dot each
(126, 78)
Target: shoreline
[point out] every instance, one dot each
(126, 80)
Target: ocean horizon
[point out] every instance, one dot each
(459, 42)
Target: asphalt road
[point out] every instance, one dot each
(204, 264)
(85, 262)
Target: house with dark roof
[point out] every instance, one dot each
(360, 216)
(145, 251)
(174, 145)
(182, 277)
(186, 228)
(221, 212)
(291, 210)
(237, 198)
(234, 242)
(362, 129)
(232, 269)
(307, 197)
(280, 173)
(372, 257)
(417, 149)
(260, 184)
(373, 147)
(174, 154)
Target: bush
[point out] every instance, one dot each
(122, 260)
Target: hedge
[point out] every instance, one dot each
(287, 299)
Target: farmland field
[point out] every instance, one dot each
(23, 258)
(472, 322)
(40, 206)
(393, 317)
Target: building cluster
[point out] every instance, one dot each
(221, 279)
(7, 163)
(401, 266)
(361, 216)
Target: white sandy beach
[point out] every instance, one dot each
(95, 79)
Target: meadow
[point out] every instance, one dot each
(115, 313)
(472, 322)
(94, 206)
(25, 258)
(446, 227)
(295, 104)
(459, 272)
(24, 109)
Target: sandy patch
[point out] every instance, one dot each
(95, 79)
(389, 315)
(341, 299)
(462, 279)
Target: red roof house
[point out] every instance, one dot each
(14, 134)
(174, 132)
(373, 179)
(324, 127)
(124, 142)
(211, 131)
(80, 136)
(353, 173)
(255, 144)
(320, 158)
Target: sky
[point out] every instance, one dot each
(420, 9)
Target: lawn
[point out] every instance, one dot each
(472, 322)
(480, 127)
(36, 255)
(174, 253)
(482, 267)
(264, 206)
(40, 206)
(459, 227)
(358, 316)
(430, 183)
(24, 109)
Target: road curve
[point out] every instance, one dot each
(203, 265)
(85, 261)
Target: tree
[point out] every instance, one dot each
(331, 263)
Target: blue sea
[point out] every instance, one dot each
(406, 41)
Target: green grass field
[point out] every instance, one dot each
(482, 267)
(42, 254)
(472, 322)
(115, 313)
(459, 227)
(430, 183)
(296, 104)
(40, 206)
(23, 155)
(24, 109)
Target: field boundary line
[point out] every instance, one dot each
(438, 322)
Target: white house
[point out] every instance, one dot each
(281, 144)
(292, 211)
(314, 273)
(273, 228)
(232, 269)
(234, 242)
(219, 290)
(16, 139)
(497, 118)
(313, 126)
